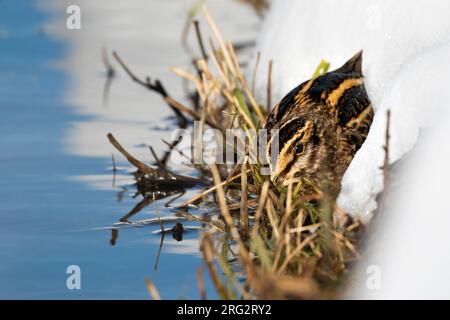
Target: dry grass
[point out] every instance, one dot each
(286, 246)
(270, 244)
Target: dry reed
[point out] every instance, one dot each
(283, 245)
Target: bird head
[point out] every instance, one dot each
(311, 124)
(305, 145)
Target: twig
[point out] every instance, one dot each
(201, 195)
(386, 151)
(258, 57)
(114, 170)
(167, 154)
(244, 200)
(158, 162)
(260, 209)
(110, 75)
(269, 87)
(208, 255)
(175, 104)
(162, 233)
(200, 40)
(382, 195)
(180, 152)
(201, 284)
(296, 251)
(136, 209)
(191, 15)
(155, 86)
(141, 166)
(152, 290)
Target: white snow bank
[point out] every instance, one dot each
(417, 99)
(401, 42)
(410, 248)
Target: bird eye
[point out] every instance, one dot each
(299, 148)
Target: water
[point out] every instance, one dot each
(56, 186)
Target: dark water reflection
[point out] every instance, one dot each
(57, 196)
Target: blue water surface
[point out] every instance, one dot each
(47, 218)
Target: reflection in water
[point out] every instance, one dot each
(154, 184)
(110, 75)
(147, 34)
(157, 87)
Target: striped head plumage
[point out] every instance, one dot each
(321, 124)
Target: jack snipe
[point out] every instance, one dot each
(321, 124)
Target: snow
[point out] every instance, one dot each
(416, 97)
(411, 248)
(396, 36)
(406, 63)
